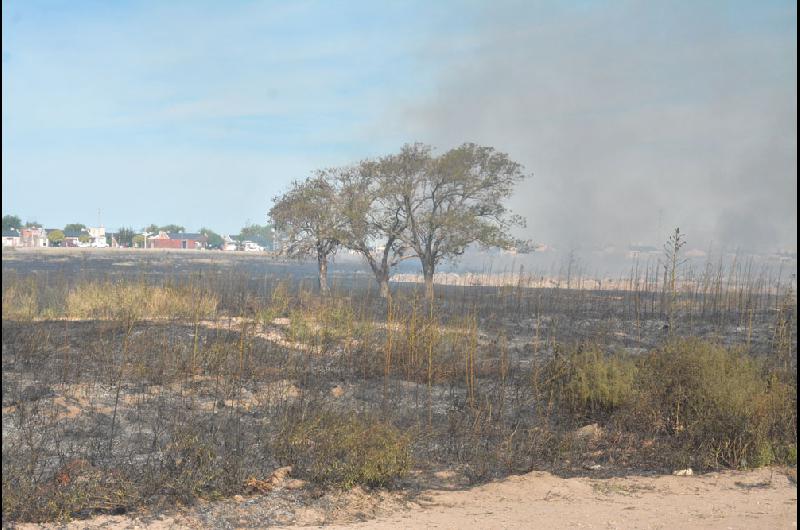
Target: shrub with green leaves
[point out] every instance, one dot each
(587, 382)
(715, 407)
(344, 450)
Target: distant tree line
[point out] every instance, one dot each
(411, 204)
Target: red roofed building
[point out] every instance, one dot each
(177, 240)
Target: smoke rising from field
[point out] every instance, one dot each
(634, 119)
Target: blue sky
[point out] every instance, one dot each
(633, 116)
(199, 112)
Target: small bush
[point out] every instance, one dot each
(588, 383)
(343, 450)
(715, 407)
(77, 489)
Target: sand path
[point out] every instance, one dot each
(757, 499)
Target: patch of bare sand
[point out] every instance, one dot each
(765, 498)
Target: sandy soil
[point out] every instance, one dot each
(759, 499)
(765, 498)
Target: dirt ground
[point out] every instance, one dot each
(764, 498)
(758, 499)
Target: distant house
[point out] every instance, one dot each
(11, 238)
(98, 236)
(33, 237)
(177, 240)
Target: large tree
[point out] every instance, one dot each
(74, 227)
(56, 237)
(310, 219)
(373, 220)
(11, 222)
(260, 234)
(155, 229)
(214, 239)
(455, 200)
(172, 228)
(125, 236)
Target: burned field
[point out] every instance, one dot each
(141, 380)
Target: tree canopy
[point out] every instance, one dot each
(408, 204)
(214, 239)
(455, 200)
(373, 221)
(310, 218)
(125, 236)
(55, 237)
(11, 222)
(154, 228)
(75, 227)
(260, 234)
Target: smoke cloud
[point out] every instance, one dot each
(633, 119)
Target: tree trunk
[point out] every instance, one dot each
(381, 272)
(323, 273)
(383, 281)
(427, 273)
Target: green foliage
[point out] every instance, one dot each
(33, 224)
(260, 234)
(85, 238)
(154, 228)
(309, 217)
(214, 239)
(342, 450)
(715, 407)
(280, 300)
(55, 237)
(75, 227)
(588, 383)
(11, 222)
(125, 236)
(138, 240)
(412, 203)
(171, 228)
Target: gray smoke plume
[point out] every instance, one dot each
(634, 119)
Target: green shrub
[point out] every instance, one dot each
(715, 407)
(343, 450)
(279, 304)
(323, 321)
(587, 382)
